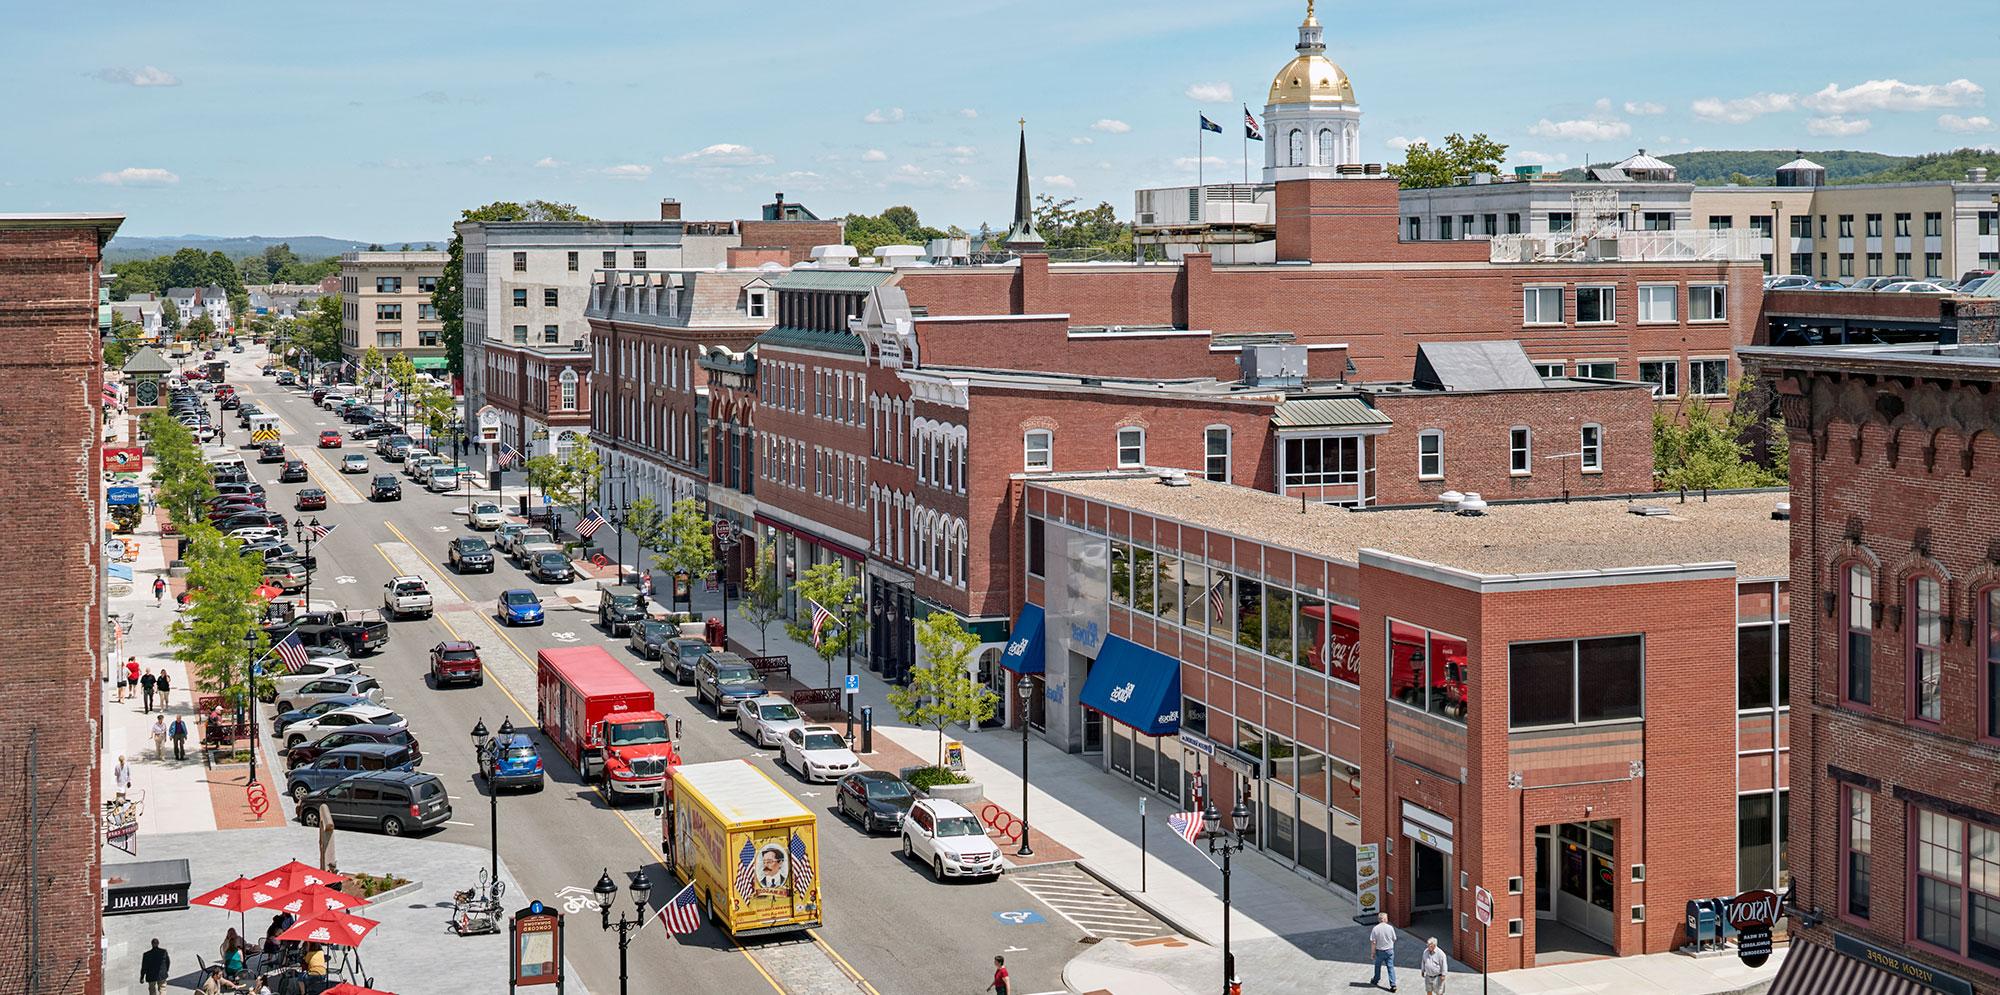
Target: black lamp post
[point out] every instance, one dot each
(306, 530)
(607, 894)
(847, 608)
(1226, 842)
(250, 694)
(480, 749)
(726, 541)
(1025, 687)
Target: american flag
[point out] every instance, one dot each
(821, 619)
(292, 652)
(590, 524)
(682, 915)
(1250, 127)
(746, 871)
(320, 532)
(802, 866)
(1187, 825)
(508, 454)
(1218, 600)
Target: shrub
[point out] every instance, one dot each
(926, 778)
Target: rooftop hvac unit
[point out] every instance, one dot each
(1146, 218)
(1472, 504)
(1449, 500)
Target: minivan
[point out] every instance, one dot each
(339, 764)
(392, 801)
(723, 679)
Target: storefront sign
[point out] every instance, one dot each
(124, 459)
(1895, 963)
(1427, 827)
(954, 754)
(1368, 878)
(121, 496)
(1752, 915)
(1197, 743)
(145, 886)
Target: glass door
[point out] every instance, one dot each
(1281, 822)
(1545, 864)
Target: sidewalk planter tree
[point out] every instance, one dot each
(763, 601)
(680, 539)
(222, 606)
(178, 471)
(571, 483)
(941, 691)
(829, 587)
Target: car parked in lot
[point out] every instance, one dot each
(309, 499)
(366, 713)
(456, 661)
(468, 554)
(949, 840)
(552, 568)
(348, 685)
(724, 679)
(768, 719)
(876, 799)
(486, 516)
(520, 606)
(648, 637)
(298, 755)
(286, 575)
(511, 761)
(342, 762)
(392, 801)
(293, 473)
(816, 752)
(312, 670)
(252, 519)
(354, 463)
(329, 439)
(385, 488)
(419, 467)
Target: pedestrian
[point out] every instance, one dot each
(159, 590)
(154, 967)
(163, 685)
(121, 776)
(147, 682)
(1382, 942)
(132, 674)
(1434, 967)
(999, 985)
(159, 734)
(179, 732)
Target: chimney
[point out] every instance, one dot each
(778, 206)
(670, 209)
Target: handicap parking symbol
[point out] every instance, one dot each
(1020, 917)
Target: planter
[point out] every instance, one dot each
(967, 794)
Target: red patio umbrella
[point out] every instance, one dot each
(336, 928)
(350, 988)
(238, 896)
(293, 876)
(314, 899)
(269, 592)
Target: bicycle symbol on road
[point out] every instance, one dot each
(345, 579)
(575, 900)
(440, 528)
(565, 637)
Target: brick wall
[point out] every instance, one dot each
(52, 647)
(796, 237)
(1476, 436)
(1354, 220)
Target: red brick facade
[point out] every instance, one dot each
(525, 384)
(1476, 436)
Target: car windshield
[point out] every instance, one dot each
(520, 598)
(486, 509)
(824, 741)
(385, 481)
(472, 545)
(625, 600)
(459, 655)
(631, 733)
(518, 753)
(887, 790)
(775, 713)
(959, 825)
(653, 630)
(552, 559)
(735, 675)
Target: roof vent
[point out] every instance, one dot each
(1783, 512)
(1648, 510)
(1976, 174)
(1175, 478)
(1472, 504)
(1449, 500)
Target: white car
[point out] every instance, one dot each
(768, 719)
(1917, 287)
(486, 516)
(354, 463)
(313, 692)
(442, 480)
(817, 753)
(311, 670)
(419, 467)
(310, 730)
(256, 533)
(949, 840)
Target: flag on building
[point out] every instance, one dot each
(682, 915)
(821, 619)
(1218, 600)
(1207, 125)
(1187, 825)
(508, 454)
(1250, 126)
(746, 871)
(590, 524)
(292, 652)
(802, 867)
(319, 532)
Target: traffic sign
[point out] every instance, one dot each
(1482, 905)
(725, 531)
(853, 683)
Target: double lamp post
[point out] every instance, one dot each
(607, 895)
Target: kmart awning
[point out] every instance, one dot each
(1024, 645)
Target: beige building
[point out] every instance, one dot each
(386, 303)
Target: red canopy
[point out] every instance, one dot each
(314, 899)
(349, 988)
(240, 895)
(340, 929)
(269, 592)
(293, 876)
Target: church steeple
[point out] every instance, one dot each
(1021, 235)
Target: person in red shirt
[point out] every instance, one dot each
(999, 985)
(131, 674)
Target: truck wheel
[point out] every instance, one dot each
(714, 916)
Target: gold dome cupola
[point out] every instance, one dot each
(1311, 78)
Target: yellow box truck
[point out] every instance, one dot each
(750, 848)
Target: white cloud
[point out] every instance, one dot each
(628, 171)
(1210, 93)
(138, 176)
(1112, 125)
(967, 113)
(1952, 122)
(1059, 180)
(724, 154)
(1894, 95)
(1581, 129)
(916, 176)
(1083, 140)
(1539, 158)
(548, 162)
(1837, 125)
(1644, 108)
(1187, 162)
(1742, 110)
(880, 116)
(1400, 142)
(142, 76)
(874, 155)
(1603, 105)
(961, 154)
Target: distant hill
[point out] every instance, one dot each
(124, 247)
(1758, 167)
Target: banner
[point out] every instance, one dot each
(124, 459)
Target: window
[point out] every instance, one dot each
(520, 297)
(1762, 679)
(1490, 223)
(1858, 846)
(1298, 147)
(568, 382)
(1874, 226)
(1989, 724)
(520, 262)
(1322, 460)
(1036, 559)
(1760, 840)
(1989, 222)
(1519, 460)
(1465, 226)
(1551, 368)
(572, 262)
(1708, 377)
(1596, 305)
(388, 284)
(611, 260)
(1444, 226)
(639, 259)
(388, 312)
(1415, 228)
(1801, 225)
(1874, 264)
(1038, 446)
(1428, 670)
(1574, 681)
(1708, 302)
(1430, 454)
(1656, 302)
(1902, 264)
(551, 333)
(1761, 225)
(1721, 222)
(1902, 224)
(1659, 221)
(1958, 886)
(549, 297)
(1326, 146)
(1215, 453)
(1847, 264)
(1933, 264)
(1590, 449)
(1131, 447)
(1857, 676)
(1514, 223)
(521, 334)
(428, 336)
(1542, 306)
(1847, 226)
(1194, 716)
(757, 304)
(1561, 222)
(1663, 374)
(1927, 651)
(1822, 226)
(1597, 369)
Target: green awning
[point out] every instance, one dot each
(430, 362)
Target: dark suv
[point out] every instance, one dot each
(386, 488)
(468, 554)
(618, 608)
(392, 801)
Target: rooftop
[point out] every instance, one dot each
(1970, 361)
(1510, 539)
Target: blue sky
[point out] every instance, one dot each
(381, 121)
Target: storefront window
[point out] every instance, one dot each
(1194, 716)
(1167, 591)
(1194, 594)
(1278, 623)
(1343, 643)
(1121, 573)
(1574, 681)
(1249, 613)
(1142, 580)
(1249, 739)
(1217, 616)
(1428, 670)
(1310, 653)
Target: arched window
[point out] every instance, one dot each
(1298, 146)
(1326, 146)
(566, 446)
(964, 559)
(1989, 665)
(568, 381)
(937, 546)
(1857, 679)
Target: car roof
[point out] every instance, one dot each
(830, 729)
(455, 644)
(519, 590)
(373, 729)
(406, 578)
(400, 776)
(945, 809)
(770, 699)
(515, 739)
(365, 748)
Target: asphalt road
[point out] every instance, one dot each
(889, 928)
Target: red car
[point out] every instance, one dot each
(311, 499)
(456, 661)
(329, 439)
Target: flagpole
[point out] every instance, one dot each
(1200, 181)
(1246, 146)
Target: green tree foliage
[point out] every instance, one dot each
(680, 538)
(170, 318)
(449, 297)
(435, 410)
(895, 226)
(316, 330)
(122, 342)
(1092, 231)
(1424, 165)
(372, 368)
(178, 471)
(571, 483)
(190, 267)
(831, 589)
(223, 607)
(941, 691)
(1758, 167)
(1707, 446)
(762, 599)
(202, 328)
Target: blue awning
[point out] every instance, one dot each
(1136, 686)
(1024, 645)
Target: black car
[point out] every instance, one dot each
(469, 554)
(552, 568)
(618, 608)
(650, 636)
(386, 488)
(876, 799)
(231, 403)
(271, 452)
(293, 473)
(360, 414)
(393, 802)
(375, 430)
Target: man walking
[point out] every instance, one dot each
(147, 682)
(1000, 978)
(159, 734)
(154, 968)
(1434, 967)
(179, 732)
(1382, 941)
(159, 591)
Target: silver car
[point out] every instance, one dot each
(330, 686)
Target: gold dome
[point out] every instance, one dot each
(1311, 79)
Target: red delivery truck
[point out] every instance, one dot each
(600, 716)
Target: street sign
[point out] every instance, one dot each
(536, 954)
(1482, 905)
(1752, 914)
(725, 531)
(121, 495)
(853, 683)
(124, 459)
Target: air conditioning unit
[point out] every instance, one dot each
(1146, 218)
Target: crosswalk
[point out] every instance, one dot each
(1088, 904)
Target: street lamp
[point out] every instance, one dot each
(1025, 687)
(1226, 842)
(250, 694)
(607, 893)
(481, 749)
(725, 539)
(847, 607)
(306, 530)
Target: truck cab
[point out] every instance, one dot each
(600, 716)
(634, 753)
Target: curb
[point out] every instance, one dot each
(1145, 903)
(397, 892)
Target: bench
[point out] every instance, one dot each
(771, 666)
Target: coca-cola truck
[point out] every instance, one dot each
(601, 718)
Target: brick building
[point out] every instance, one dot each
(54, 648)
(1525, 700)
(1895, 684)
(543, 396)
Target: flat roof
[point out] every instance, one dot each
(1509, 540)
(105, 224)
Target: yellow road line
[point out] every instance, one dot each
(842, 961)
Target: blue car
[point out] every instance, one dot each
(316, 709)
(511, 762)
(520, 606)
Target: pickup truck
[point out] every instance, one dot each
(406, 596)
(361, 630)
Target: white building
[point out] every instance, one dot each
(143, 310)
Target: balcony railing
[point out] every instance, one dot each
(1683, 245)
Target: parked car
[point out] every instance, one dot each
(648, 637)
(354, 734)
(876, 799)
(366, 713)
(680, 658)
(312, 670)
(293, 473)
(504, 535)
(285, 575)
(342, 762)
(1918, 287)
(394, 446)
(393, 801)
(255, 519)
(467, 554)
(552, 568)
(285, 720)
(1790, 282)
(456, 661)
(354, 463)
(949, 840)
(443, 480)
(329, 439)
(618, 608)
(486, 516)
(385, 488)
(349, 685)
(724, 679)
(309, 499)
(271, 452)
(767, 719)
(816, 752)
(520, 606)
(418, 467)
(511, 761)
(521, 539)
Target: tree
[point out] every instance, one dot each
(573, 482)
(828, 587)
(178, 471)
(276, 258)
(435, 410)
(449, 297)
(122, 342)
(187, 267)
(317, 329)
(895, 226)
(941, 691)
(170, 318)
(763, 601)
(222, 607)
(372, 365)
(1096, 230)
(1426, 166)
(202, 328)
(681, 539)
(1706, 446)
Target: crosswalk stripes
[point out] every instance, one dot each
(1088, 905)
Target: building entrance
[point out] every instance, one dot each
(1575, 878)
(1430, 879)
